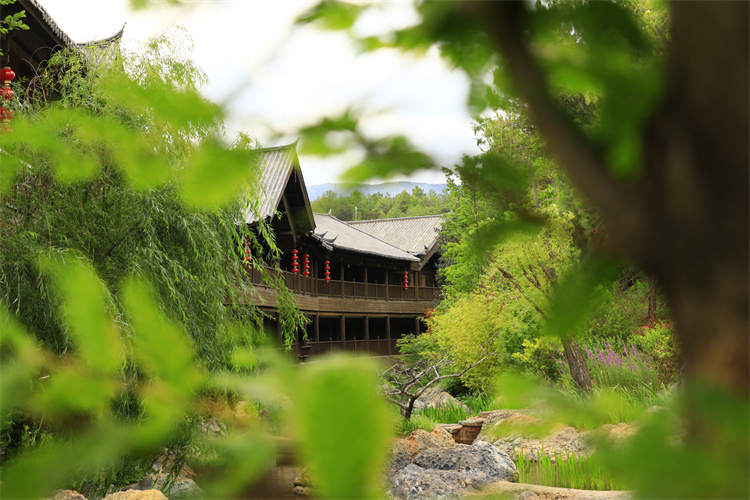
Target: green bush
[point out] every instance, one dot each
(662, 345)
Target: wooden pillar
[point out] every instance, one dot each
(367, 332)
(342, 279)
(343, 332)
(314, 281)
(387, 286)
(367, 284)
(388, 333)
(415, 275)
(316, 330)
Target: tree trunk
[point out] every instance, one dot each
(579, 370)
(686, 220)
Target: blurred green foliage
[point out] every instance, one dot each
(603, 65)
(122, 298)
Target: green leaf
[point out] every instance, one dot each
(344, 426)
(215, 175)
(161, 346)
(332, 15)
(85, 308)
(386, 158)
(579, 290)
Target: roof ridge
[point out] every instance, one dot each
(365, 233)
(395, 218)
(292, 145)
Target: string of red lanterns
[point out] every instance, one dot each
(295, 261)
(327, 273)
(247, 249)
(306, 265)
(406, 280)
(6, 93)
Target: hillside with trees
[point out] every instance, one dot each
(358, 206)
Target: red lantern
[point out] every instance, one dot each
(327, 273)
(247, 249)
(295, 261)
(406, 280)
(306, 265)
(7, 75)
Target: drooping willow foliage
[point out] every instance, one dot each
(120, 224)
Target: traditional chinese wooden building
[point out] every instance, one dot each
(362, 284)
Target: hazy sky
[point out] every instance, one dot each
(274, 77)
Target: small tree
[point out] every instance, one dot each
(419, 367)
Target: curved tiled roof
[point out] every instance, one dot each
(416, 235)
(334, 234)
(276, 167)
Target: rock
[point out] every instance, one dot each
(450, 472)
(137, 495)
(435, 397)
(444, 438)
(67, 495)
(420, 440)
(304, 478)
(405, 449)
(414, 482)
(523, 491)
(164, 465)
(617, 435)
(507, 424)
(430, 393)
(479, 463)
(181, 487)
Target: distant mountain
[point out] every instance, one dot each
(390, 188)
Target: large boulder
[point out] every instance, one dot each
(451, 472)
(67, 495)
(405, 449)
(180, 487)
(136, 495)
(435, 397)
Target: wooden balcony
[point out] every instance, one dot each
(346, 297)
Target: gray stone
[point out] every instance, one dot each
(435, 397)
(181, 487)
(414, 482)
(451, 472)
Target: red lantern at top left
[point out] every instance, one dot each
(295, 261)
(6, 93)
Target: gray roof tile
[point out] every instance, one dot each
(338, 235)
(416, 235)
(275, 168)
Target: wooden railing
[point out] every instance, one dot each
(352, 289)
(372, 347)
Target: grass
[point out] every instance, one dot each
(579, 472)
(449, 414)
(405, 427)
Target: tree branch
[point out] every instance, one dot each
(583, 162)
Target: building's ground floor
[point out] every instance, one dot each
(358, 334)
